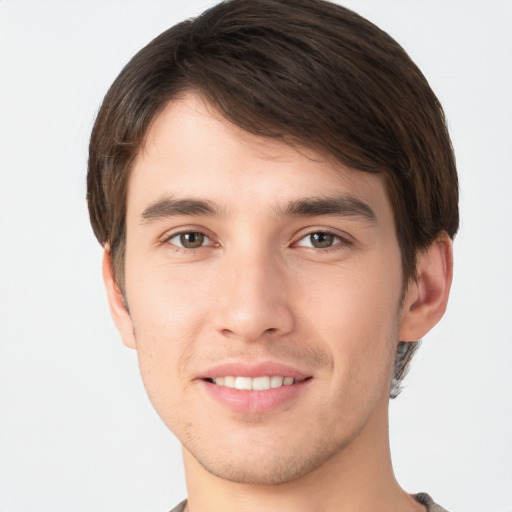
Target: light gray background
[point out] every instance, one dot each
(77, 432)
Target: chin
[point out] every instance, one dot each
(271, 471)
(269, 465)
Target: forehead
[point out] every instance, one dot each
(191, 150)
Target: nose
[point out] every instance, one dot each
(253, 301)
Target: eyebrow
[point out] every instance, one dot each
(345, 206)
(170, 207)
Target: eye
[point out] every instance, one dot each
(189, 240)
(319, 240)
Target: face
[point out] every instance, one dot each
(263, 285)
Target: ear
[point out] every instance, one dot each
(118, 310)
(427, 295)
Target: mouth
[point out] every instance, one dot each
(255, 388)
(260, 383)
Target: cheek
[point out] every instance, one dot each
(165, 299)
(168, 314)
(362, 298)
(356, 315)
(165, 344)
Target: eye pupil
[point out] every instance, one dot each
(321, 240)
(191, 240)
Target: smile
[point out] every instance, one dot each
(261, 383)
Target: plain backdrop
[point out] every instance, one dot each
(77, 432)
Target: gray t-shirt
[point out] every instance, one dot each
(422, 498)
(426, 500)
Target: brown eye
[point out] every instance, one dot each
(321, 240)
(189, 240)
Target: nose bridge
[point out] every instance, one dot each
(252, 295)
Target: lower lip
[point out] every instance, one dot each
(255, 402)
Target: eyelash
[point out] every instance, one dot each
(338, 240)
(167, 239)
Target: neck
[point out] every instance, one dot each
(359, 477)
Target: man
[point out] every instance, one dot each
(275, 191)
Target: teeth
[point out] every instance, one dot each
(257, 383)
(276, 382)
(243, 383)
(261, 383)
(228, 381)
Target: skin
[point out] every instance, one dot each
(259, 287)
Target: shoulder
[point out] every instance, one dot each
(422, 498)
(181, 507)
(426, 500)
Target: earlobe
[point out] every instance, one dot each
(118, 310)
(427, 295)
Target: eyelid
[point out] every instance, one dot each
(206, 240)
(345, 238)
(166, 237)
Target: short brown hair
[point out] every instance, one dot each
(303, 71)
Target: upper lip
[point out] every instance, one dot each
(244, 369)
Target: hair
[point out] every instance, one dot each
(308, 72)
